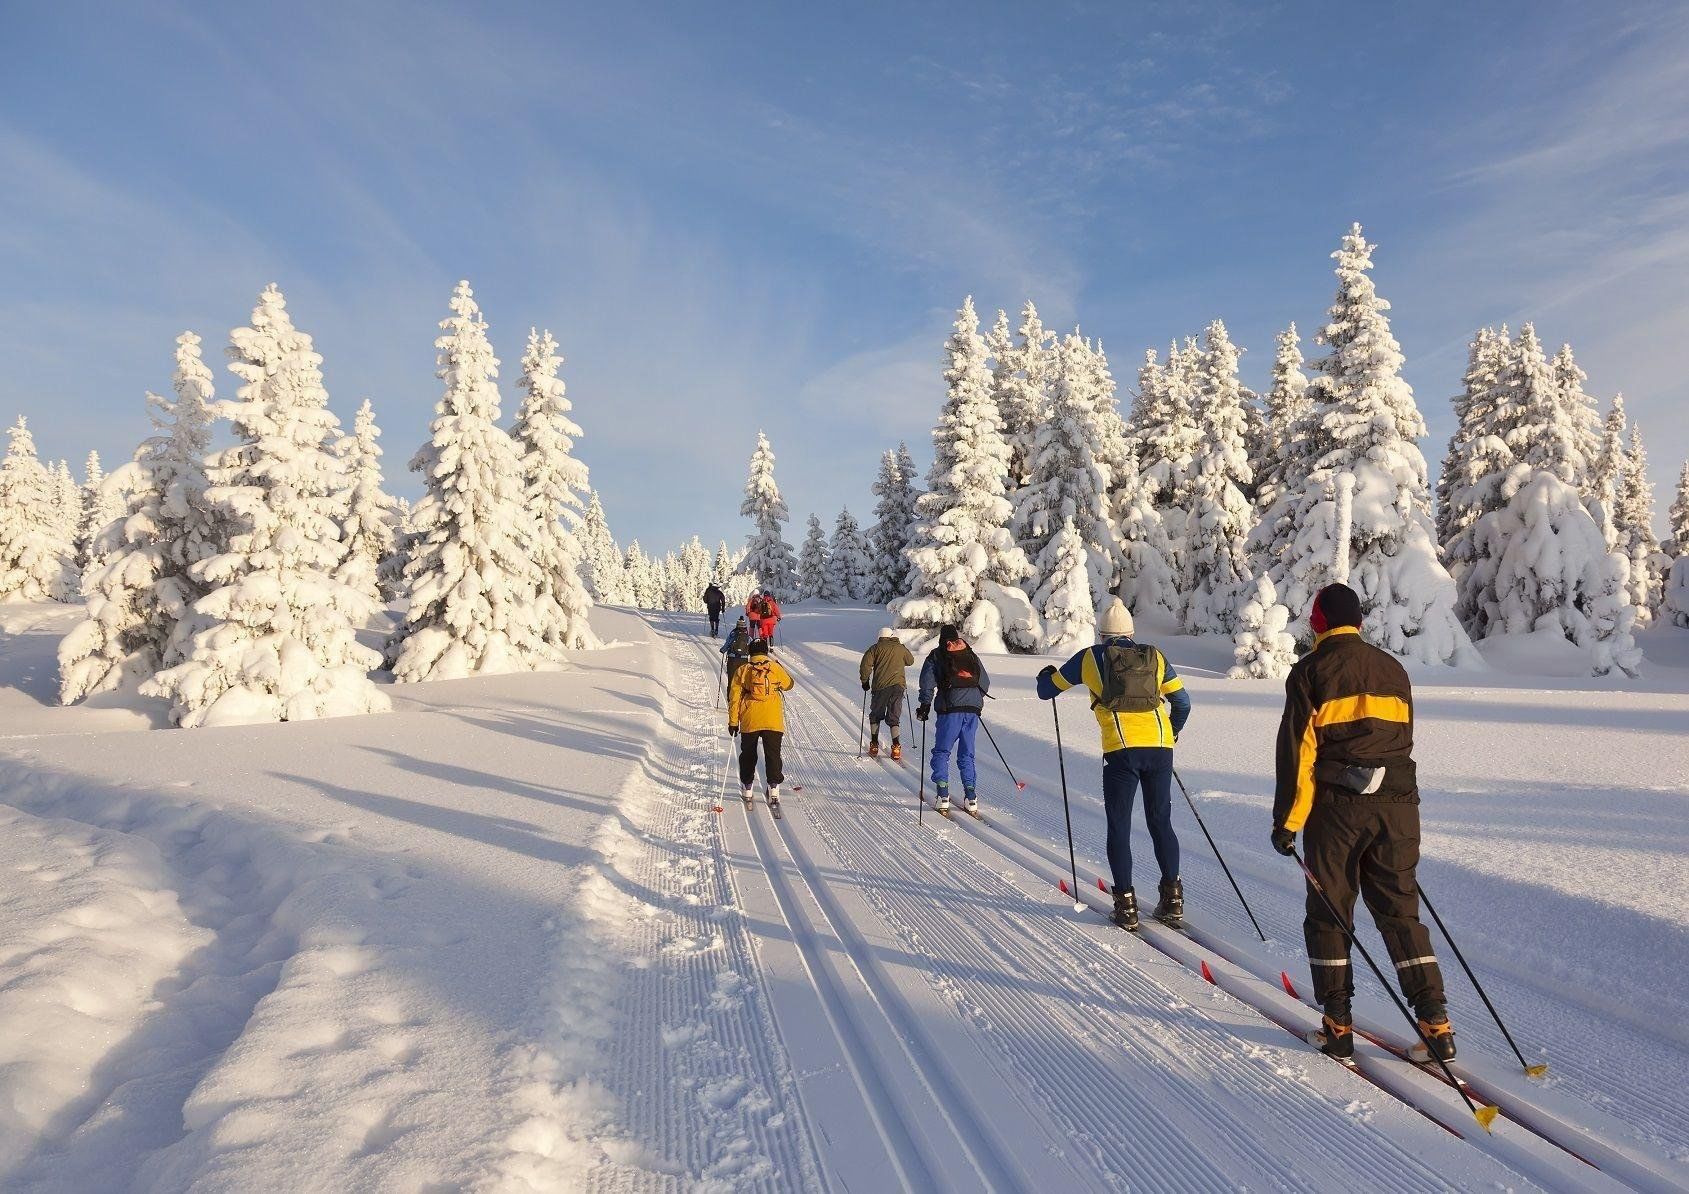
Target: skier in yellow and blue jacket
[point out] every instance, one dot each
(1141, 706)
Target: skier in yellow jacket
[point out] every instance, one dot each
(756, 713)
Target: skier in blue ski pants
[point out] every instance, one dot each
(953, 677)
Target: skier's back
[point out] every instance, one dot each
(756, 715)
(1141, 707)
(714, 602)
(1347, 781)
(881, 672)
(953, 679)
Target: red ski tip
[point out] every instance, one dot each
(1207, 973)
(1289, 987)
(1101, 886)
(716, 809)
(1020, 787)
(1063, 886)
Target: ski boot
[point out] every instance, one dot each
(943, 804)
(970, 802)
(896, 750)
(748, 794)
(774, 796)
(1126, 910)
(1171, 908)
(873, 748)
(1434, 1026)
(1336, 1033)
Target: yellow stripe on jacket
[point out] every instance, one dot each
(753, 696)
(1337, 711)
(1123, 730)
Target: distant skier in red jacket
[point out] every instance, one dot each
(764, 614)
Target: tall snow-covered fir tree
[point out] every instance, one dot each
(1164, 426)
(372, 514)
(274, 633)
(850, 571)
(471, 576)
(1677, 518)
(1676, 602)
(894, 525)
(552, 482)
(1283, 461)
(603, 563)
(1635, 521)
(1070, 478)
(35, 556)
(67, 509)
(644, 584)
(1607, 474)
(1147, 580)
(1063, 597)
(103, 501)
(1020, 379)
(139, 593)
(1476, 450)
(1219, 514)
(812, 561)
(1583, 415)
(1364, 512)
(768, 554)
(1262, 646)
(965, 567)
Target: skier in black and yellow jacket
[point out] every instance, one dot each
(1346, 780)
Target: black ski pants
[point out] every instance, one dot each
(1371, 850)
(885, 704)
(772, 770)
(715, 622)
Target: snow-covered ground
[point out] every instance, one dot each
(497, 939)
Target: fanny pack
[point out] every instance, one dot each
(1389, 780)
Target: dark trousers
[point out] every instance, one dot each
(1369, 849)
(1124, 773)
(715, 621)
(772, 770)
(885, 704)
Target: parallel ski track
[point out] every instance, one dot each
(1134, 1128)
(1578, 1144)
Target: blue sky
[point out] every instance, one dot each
(751, 215)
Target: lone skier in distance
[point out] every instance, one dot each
(953, 677)
(1346, 779)
(882, 677)
(714, 602)
(756, 714)
(737, 647)
(1141, 707)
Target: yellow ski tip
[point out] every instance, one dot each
(1537, 1071)
(1486, 1116)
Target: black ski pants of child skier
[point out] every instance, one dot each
(1370, 849)
(885, 704)
(772, 770)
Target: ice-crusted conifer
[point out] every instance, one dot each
(471, 577)
(552, 482)
(1635, 520)
(273, 633)
(1262, 646)
(812, 562)
(768, 554)
(1063, 598)
(894, 525)
(603, 563)
(965, 565)
(1020, 379)
(1283, 461)
(1147, 580)
(1219, 513)
(372, 514)
(1677, 518)
(850, 572)
(35, 557)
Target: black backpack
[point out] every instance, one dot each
(1131, 679)
(957, 669)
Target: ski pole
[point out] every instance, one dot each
(921, 766)
(1535, 1071)
(1484, 1115)
(1219, 857)
(721, 681)
(1019, 787)
(1061, 765)
(863, 732)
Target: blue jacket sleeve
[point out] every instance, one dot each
(929, 679)
(1180, 701)
(1073, 672)
(984, 679)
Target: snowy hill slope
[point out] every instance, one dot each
(497, 939)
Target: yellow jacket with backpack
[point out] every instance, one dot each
(754, 700)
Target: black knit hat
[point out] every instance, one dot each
(759, 647)
(948, 633)
(1336, 605)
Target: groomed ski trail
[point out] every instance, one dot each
(1051, 1043)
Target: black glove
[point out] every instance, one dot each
(732, 731)
(1048, 672)
(921, 712)
(864, 686)
(1284, 841)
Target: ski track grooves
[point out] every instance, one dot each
(1125, 1126)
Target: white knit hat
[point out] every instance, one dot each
(888, 632)
(1117, 620)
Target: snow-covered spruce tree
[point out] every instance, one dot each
(1606, 477)
(1582, 414)
(850, 573)
(1635, 520)
(768, 554)
(1063, 597)
(1476, 450)
(1677, 518)
(1262, 646)
(1538, 427)
(1282, 461)
(139, 593)
(1019, 380)
(103, 501)
(471, 578)
(1147, 580)
(35, 557)
(67, 508)
(552, 482)
(273, 634)
(1676, 605)
(1219, 514)
(1164, 425)
(812, 561)
(603, 564)
(965, 567)
(1366, 413)
(722, 567)
(372, 515)
(1070, 480)
(894, 525)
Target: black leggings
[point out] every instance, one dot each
(771, 768)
